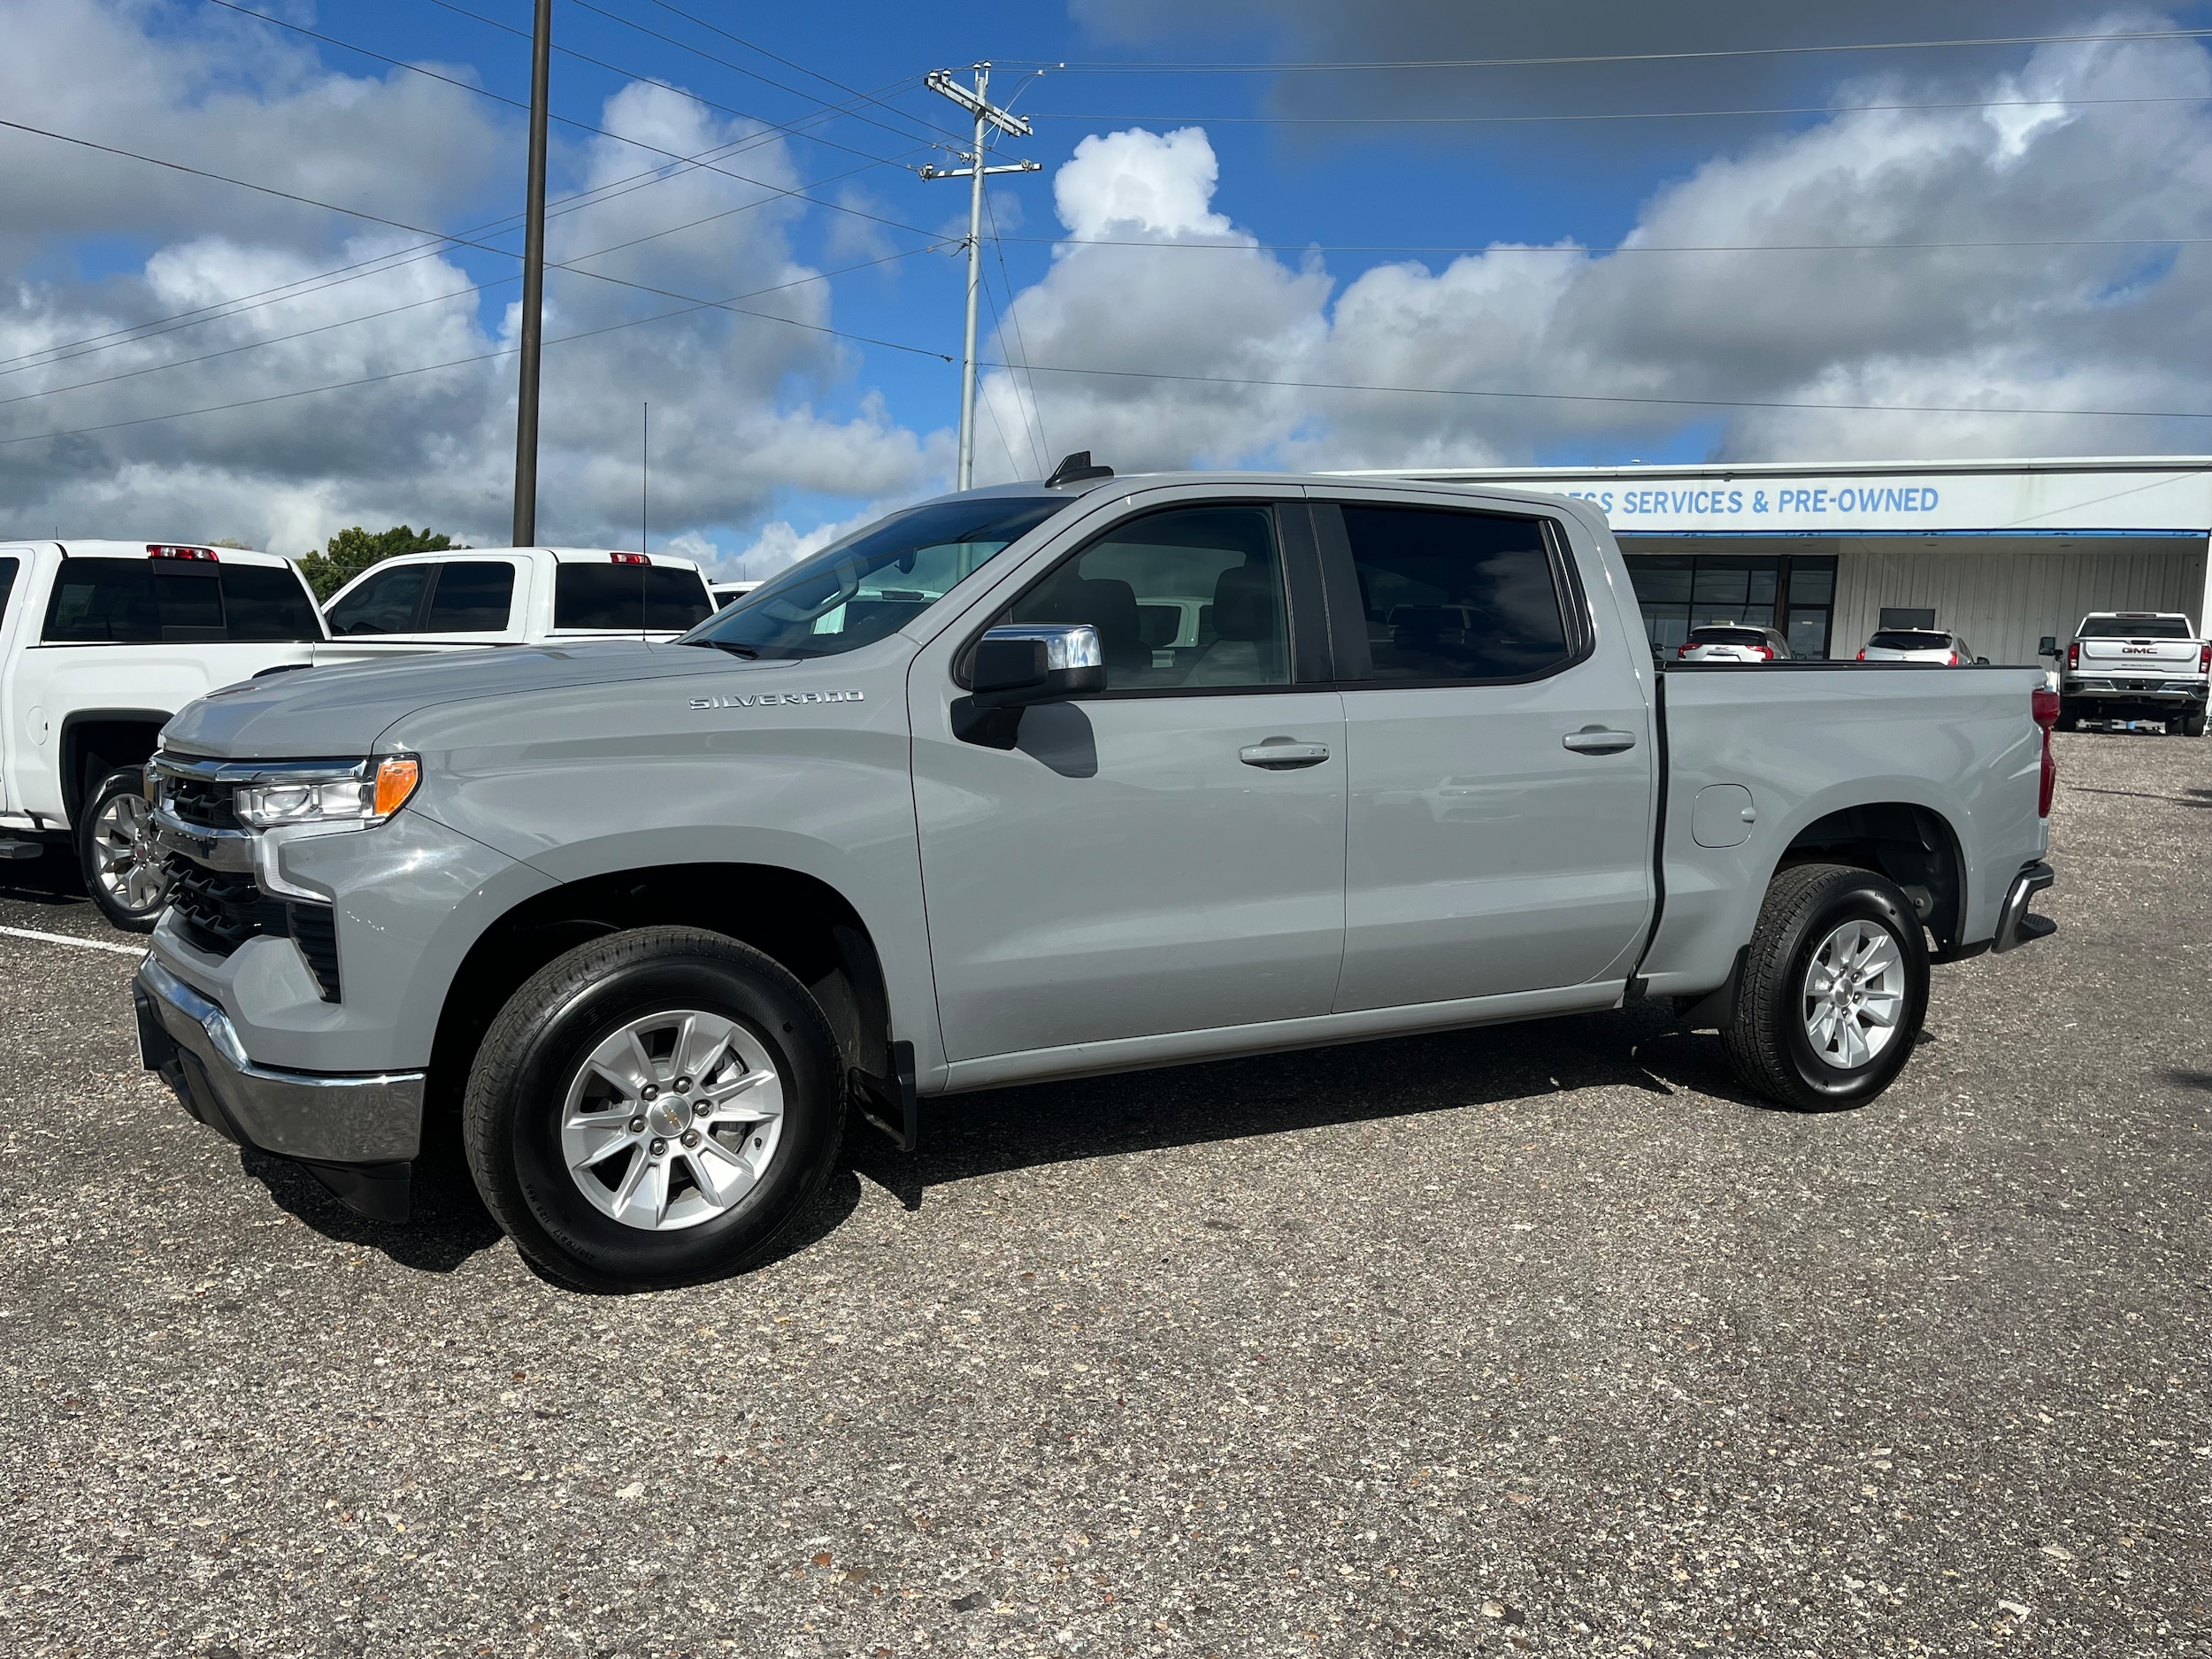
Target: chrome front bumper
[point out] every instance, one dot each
(315, 1117)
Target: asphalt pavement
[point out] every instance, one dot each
(1545, 1339)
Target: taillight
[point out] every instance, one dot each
(2044, 704)
(2204, 659)
(1953, 659)
(168, 551)
(629, 558)
(1766, 654)
(1681, 651)
(2073, 654)
(1863, 657)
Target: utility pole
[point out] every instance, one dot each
(533, 290)
(986, 116)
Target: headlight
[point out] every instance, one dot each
(359, 794)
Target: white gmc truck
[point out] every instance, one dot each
(101, 642)
(2135, 665)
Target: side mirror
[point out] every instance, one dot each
(1020, 664)
(1981, 662)
(2049, 646)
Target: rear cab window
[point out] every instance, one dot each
(2135, 628)
(127, 602)
(629, 598)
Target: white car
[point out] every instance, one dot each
(728, 594)
(100, 643)
(1733, 642)
(506, 595)
(1919, 645)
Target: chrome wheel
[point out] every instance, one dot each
(1854, 995)
(673, 1120)
(127, 863)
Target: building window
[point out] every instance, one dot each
(1680, 591)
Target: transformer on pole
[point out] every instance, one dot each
(986, 115)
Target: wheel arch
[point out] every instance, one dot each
(1912, 843)
(797, 919)
(120, 737)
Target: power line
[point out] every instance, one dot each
(391, 260)
(765, 81)
(616, 69)
(1608, 115)
(1625, 247)
(585, 126)
(1109, 66)
(417, 230)
(1592, 397)
(1012, 313)
(456, 363)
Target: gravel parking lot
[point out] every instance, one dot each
(1538, 1340)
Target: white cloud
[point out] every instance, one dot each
(736, 396)
(780, 545)
(2115, 150)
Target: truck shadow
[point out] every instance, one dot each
(52, 879)
(1002, 1130)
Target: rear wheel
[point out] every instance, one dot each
(123, 868)
(2192, 724)
(1835, 987)
(653, 1109)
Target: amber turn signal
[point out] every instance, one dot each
(396, 776)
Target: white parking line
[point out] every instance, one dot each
(71, 939)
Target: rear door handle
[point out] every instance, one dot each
(1598, 740)
(1281, 753)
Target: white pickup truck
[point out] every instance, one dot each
(2135, 665)
(101, 642)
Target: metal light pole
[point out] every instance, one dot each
(986, 115)
(525, 529)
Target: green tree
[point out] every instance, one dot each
(350, 552)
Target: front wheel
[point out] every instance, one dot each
(1834, 989)
(123, 868)
(652, 1109)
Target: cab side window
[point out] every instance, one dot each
(385, 604)
(1450, 596)
(472, 596)
(1184, 599)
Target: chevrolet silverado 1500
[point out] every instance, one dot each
(1035, 782)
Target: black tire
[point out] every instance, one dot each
(2193, 723)
(517, 1091)
(2069, 714)
(1767, 1041)
(107, 879)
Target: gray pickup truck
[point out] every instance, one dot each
(1035, 782)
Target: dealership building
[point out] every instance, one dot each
(2002, 552)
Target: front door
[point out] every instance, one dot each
(1500, 830)
(1166, 856)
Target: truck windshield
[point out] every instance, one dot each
(2135, 628)
(874, 581)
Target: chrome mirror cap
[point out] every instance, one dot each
(1067, 644)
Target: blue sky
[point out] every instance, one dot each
(1250, 245)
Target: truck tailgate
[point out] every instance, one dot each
(1790, 743)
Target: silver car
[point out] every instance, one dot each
(1919, 645)
(1733, 643)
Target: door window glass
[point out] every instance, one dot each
(1182, 599)
(7, 584)
(385, 604)
(676, 599)
(472, 596)
(262, 604)
(1456, 595)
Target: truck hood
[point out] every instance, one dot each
(342, 710)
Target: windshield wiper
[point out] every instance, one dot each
(731, 646)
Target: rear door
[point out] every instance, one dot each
(1166, 856)
(1501, 757)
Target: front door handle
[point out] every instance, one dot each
(1598, 740)
(1283, 754)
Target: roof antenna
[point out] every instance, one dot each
(1077, 469)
